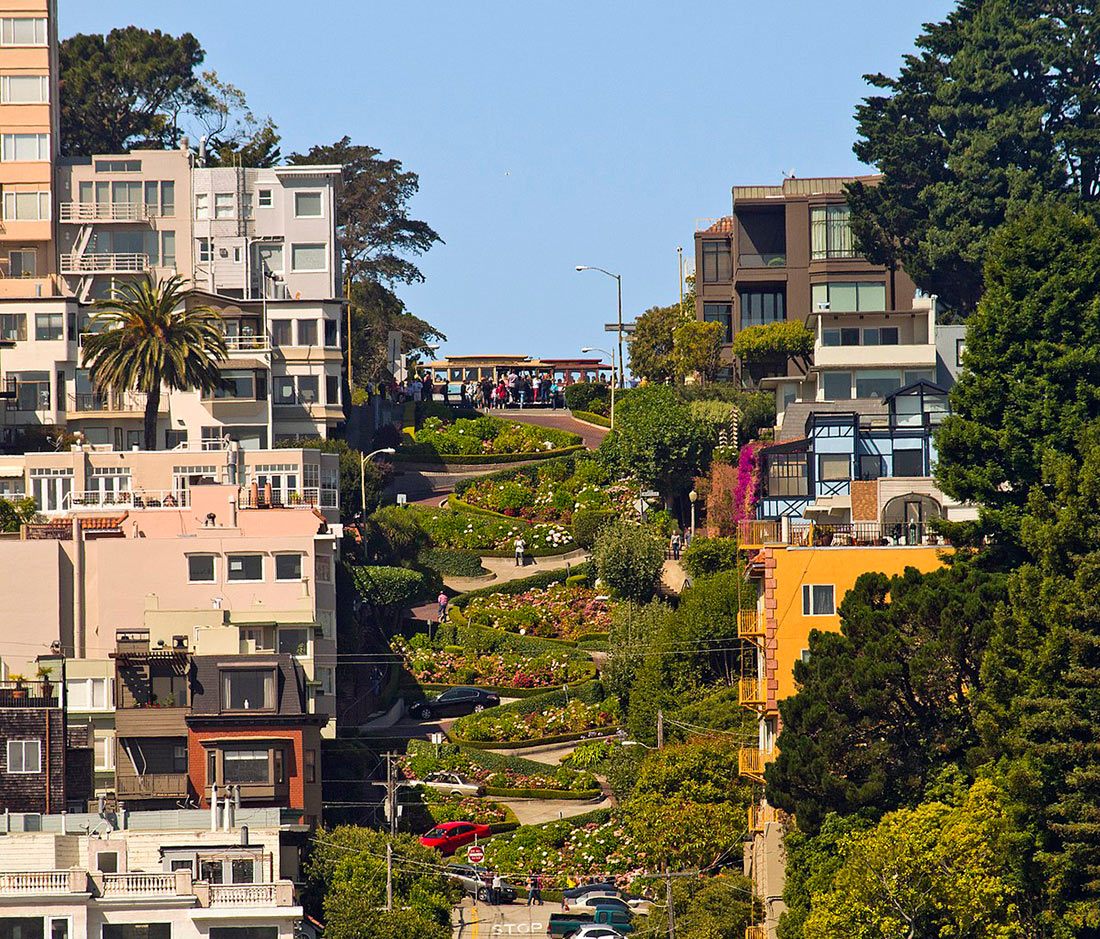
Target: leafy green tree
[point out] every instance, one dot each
(653, 344)
(710, 907)
(709, 556)
(1032, 376)
(705, 625)
(998, 107)
(934, 870)
(698, 350)
(393, 535)
(656, 438)
(887, 701)
(386, 593)
(234, 135)
(151, 334)
(346, 887)
(791, 339)
(14, 513)
(628, 559)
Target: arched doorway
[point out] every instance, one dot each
(905, 518)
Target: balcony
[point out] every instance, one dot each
(42, 883)
(117, 886)
(753, 534)
(104, 263)
(759, 815)
(908, 355)
(113, 888)
(756, 932)
(113, 402)
(153, 785)
(82, 212)
(247, 344)
(96, 500)
(751, 762)
(30, 694)
(750, 625)
(258, 895)
(751, 693)
(774, 259)
(307, 498)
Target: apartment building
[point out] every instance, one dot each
(28, 148)
(184, 874)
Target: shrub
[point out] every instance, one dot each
(393, 534)
(588, 396)
(534, 582)
(576, 580)
(628, 559)
(587, 524)
(709, 555)
(451, 563)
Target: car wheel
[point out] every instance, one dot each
(455, 792)
(478, 708)
(483, 894)
(425, 714)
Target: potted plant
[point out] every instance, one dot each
(43, 675)
(20, 692)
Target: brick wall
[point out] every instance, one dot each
(864, 500)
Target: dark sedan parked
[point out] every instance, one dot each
(454, 701)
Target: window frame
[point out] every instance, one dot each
(833, 458)
(265, 198)
(7, 29)
(42, 81)
(809, 599)
(213, 558)
(229, 578)
(298, 193)
(9, 145)
(270, 684)
(23, 742)
(295, 246)
(288, 554)
(202, 205)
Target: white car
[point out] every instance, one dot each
(452, 784)
(596, 931)
(612, 898)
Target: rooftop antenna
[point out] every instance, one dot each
(787, 174)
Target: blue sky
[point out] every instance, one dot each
(551, 133)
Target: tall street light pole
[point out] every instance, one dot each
(363, 476)
(619, 281)
(587, 349)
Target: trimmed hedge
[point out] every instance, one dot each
(532, 742)
(506, 475)
(457, 631)
(423, 453)
(588, 417)
(454, 502)
(577, 795)
(535, 581)
(503, 690)
(587, 524)
(450, 562)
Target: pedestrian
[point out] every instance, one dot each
(555, 390)
(442, 599)
(428, 387)
(538, 887)
(498, 885)
(521, 561)
(534, 894)
(674, 544)
(501, 394)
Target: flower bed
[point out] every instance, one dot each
(505, 725)
(486, 436)
(468, 531)
(555, 612)
(444, 807)
(500, 775)
(453, 666)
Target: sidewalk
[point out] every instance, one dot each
(503, 570)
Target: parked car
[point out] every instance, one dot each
(454, 701)
(615, 898)
(453, 784)
(597, 931)
(476, 881)
(567, 925)
(448, 837)
(606, 886)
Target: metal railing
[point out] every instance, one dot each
(30, 694)
(104, 263)
(751, 692)
(755, 532)
(247, 344)
(139, 885)
(128, 499)
(307, 498)
(751, 761)
(108, 400)
(166, 785)
(801, 533)
(104, 212)
(750, 624)
(759, 815)
(756, 932)
(762, 260)
(14, 883)
(244, 895)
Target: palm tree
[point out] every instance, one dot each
(146, 337)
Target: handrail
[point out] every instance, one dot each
(33, 882)
(139, 885)
(104, 263)
(244, 894)
(105, 212)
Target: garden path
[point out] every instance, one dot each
(560, 420)
(673, 577)
(505, 569)
(538, 811)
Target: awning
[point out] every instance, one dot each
(11, 472)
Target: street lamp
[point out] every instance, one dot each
(612, 354)
(363, 475)
(692, 496)
(619, 280)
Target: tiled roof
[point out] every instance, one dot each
(103, 522)
(722, 226)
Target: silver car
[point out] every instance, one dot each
(453, 784)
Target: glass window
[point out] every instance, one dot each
(308, 257)
(838, 386)
(849, 297)
(202, 250)
(877, 383)
(244, 932)
(24, 756)
(249, 205)
(307, 205)
(332, 389)
(202, 205)
(13, 326)
(210, 871)
(168, 198)
(849, 336)
(237, 383)
(26, 206)
(243, 871)
(830, 232)
(294, 641)
(310, 765)
(720, 313)
(246, 689)
(200, 568)
(224, 205)
(47, 326)
(168, 248)
(307, 332)
(960, 348)
(818, 600)
(787, 474)
(288, 567)
(246, 766)
(870, 466)
(25, 147)
(716, 262)
(833, 467)
(118, 166)
(332, 333)
(761, 305)
(909, 463)
(324, 569)
(25, 89)
(307, 389)
(283, 390)
(282, 332)
(23, 31)
(264, 198)
(245, 567)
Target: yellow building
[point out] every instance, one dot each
(28, 147)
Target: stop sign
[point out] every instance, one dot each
(476, 854)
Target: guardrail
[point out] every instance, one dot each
(800, 533)
(104, 263)
(139, 885)
(750, 692)
(247, 343)
(128, 499)
(244, 895)
(26, 883)
(104, 212)
(110, 401)
(297, 499)
(750, 624)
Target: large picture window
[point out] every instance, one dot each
(818, 599)
(855, 297)
(246, 766)
(787, 474)
(716, 262)
(762, 305)
(831, 233)
(248, 689)
(24, 756)
(834, 467)
(245, 567)
(137, 931)
(720, 313)
(309, 257)
(24, 147)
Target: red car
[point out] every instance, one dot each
(448, 837)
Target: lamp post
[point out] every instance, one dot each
(692, 496)
(619, 281)
(363, 476)
(612, 354)
(680, 256)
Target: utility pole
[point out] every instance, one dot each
(660, 729)
(680, 256)
(347, 296)
(668, 899)
(391, 802)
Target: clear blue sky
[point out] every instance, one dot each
(551, 133)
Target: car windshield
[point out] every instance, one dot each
(437, 833)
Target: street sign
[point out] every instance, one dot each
(476, 854)
(640, 506)
(650, 494)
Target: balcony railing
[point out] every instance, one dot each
(762, 260)
(750, 624)
(308, 498)
(800, 533)
(152, 786)
(139, 885)
(29, 883)
(247, 343)
(759, 815)
(751, 762)
(104, 212)
(244, 894)
(751, 692)
(751, 533)
(114, 401)
(128, 499)
(104, 263)
(756, 932)
(30, 694)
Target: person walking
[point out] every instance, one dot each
(498, 886)
(442, 600)
(674, 544)
(555, 390)
(534, 895)
(521, 546)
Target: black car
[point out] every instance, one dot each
(454, 701)
(574, 892)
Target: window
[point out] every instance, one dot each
(328, 683)
(200, 568)
(307, 389)
(47, 326)
(762, 305)
(309, 761)
(877, 383)
(838, 386)
(830, 233)
(263, 196)
(332, 389)
(23, 31)
(245, 689)
(24, 89)
(833, 467)
(246, 766)
(880, 336)
(282, 332)
(239, 384)
(818, 600)
(716, 262)
(224, 204)
(13, 326)
(118, 166)
(242, 871)
(32, 393)
(202, 205)
(861, 297)
(137, 931)
(720, 313)
(167, 248)
(23, 263)
(249, 207)
(245, 567)
(326, 619)
(294, 641)
(307, 205)
(24, 147)
(104, 751)
(787, 474)
(24, 756)
(283, 390)
(307, 332)
(870, 466)
(310, 257)
(332, 333)
(960, 348)
(908, 462)
(244, 932)
(26, 206)
(202, 250)
(87, 694)
(59, 927)
(288, 567)
(324, 569)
